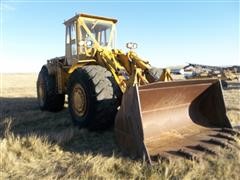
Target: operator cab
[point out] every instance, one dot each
(85, 32)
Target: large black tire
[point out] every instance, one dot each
(93, 97)
(48, 97)
(154, 74)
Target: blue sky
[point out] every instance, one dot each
(167, 32)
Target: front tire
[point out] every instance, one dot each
(48, 98)
(93, 97)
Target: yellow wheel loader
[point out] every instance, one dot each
(106, 86)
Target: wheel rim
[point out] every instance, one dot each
(41, 93)
(79, 100)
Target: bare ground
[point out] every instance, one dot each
(36, 144)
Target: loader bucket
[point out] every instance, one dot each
(168, 117)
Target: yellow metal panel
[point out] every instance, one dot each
(80, 64)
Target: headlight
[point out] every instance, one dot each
(131, 45)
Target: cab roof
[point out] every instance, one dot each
(89, 16)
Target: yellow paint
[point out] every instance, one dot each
(80, 64)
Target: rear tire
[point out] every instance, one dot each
(48, 97)
(93, 97)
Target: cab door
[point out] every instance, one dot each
(71, 46)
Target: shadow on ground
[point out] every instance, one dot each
(27, 119)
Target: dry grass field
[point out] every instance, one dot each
(44, 145)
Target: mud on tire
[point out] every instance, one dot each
(93, 97)
(48, 97)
